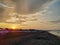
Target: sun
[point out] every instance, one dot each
(13, 27)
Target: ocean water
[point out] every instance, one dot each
(55, 32)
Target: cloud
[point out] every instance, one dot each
(6, 6)
(28, 17)
(57, 21)
(1, 9)
(13, 19)
(30, 6)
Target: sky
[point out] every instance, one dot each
(30, 14)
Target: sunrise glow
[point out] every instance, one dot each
(13, 27)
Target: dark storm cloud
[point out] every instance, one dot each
(57, 21)
(14, 0)
(37, 4)
(1, 9)
(1, 1)
(29, 6)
